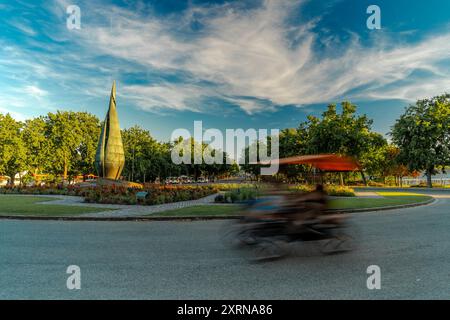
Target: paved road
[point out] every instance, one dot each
(186, 260)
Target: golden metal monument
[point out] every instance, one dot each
(110, 156)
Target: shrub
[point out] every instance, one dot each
(340, 191)
(301, 188)
(331, 190)
(238, 195)
(232, 186)
(375, 184)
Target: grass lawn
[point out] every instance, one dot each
(29, 206)
(390, 199)
(205, 210)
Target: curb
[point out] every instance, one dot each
(200, 218)
(72, 218)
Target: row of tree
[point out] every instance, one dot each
(420, 141)
(63, 144)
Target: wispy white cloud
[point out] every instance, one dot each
(249, 53)
(163, 96)
(23, 27)
(35, 91)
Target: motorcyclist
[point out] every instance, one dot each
(305, 209)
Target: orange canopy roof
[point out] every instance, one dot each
(324, 162)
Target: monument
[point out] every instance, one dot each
(110, 156)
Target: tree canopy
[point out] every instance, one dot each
(423, 135)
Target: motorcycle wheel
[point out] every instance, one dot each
(265, 250)
(337, 244)
(238, 235)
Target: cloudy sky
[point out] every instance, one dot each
(231, 64)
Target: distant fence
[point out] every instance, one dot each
(414, 181)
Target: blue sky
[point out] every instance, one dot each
(232, 64)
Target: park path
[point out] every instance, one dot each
(123, 210)
(367, 194)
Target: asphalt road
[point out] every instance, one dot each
(187, 260)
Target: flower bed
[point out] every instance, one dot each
(233, 186)
(331, 190)
(155, 194)
(71, 190)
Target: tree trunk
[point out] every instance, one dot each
(429, 182)
(12, 178)
(65, 170)
(35, 176)
(363, 178)
(341, 179)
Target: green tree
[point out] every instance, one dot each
(12, 148)
(344, 133)
(89, 131)
(73, 140)
(37, 145)
(293, 142)
(375, 158)
(423, 135)
(143, 155)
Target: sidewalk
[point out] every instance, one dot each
(367, 194)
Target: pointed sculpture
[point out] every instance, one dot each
(110, 157)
